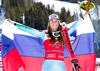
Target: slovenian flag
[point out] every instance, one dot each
(23, 50)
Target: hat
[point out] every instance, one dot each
(52, 16)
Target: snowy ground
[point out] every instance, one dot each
(98, 63)
(98, 69)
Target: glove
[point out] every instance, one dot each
(77, 67)
(63, 24)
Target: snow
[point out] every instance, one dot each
(59, 4)
(98, 61)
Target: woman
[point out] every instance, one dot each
(54, 42)
(54, 55)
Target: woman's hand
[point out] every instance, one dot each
(86, 14)
(63, 24)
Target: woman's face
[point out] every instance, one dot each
(54, 24)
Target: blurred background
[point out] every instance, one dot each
(34, 13)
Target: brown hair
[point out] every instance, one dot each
(60, 38)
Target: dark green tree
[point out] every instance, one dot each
(75, 15)
(15, 8)
(39, 18)
(63, 15)
(69, 17)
